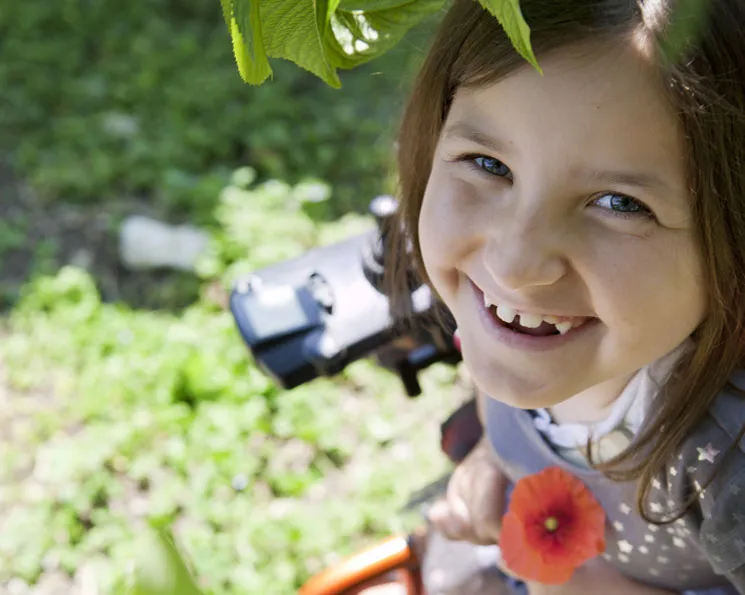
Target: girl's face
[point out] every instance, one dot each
(562, 200)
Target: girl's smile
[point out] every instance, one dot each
(529, 331)
(556, 226)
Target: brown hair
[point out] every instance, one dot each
(706, 89)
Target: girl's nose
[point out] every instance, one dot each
(524, 255)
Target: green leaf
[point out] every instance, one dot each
(373, 5)
(160, 569)
(320, 36)
(244, 23)
(291, 31)
(380, 24)
(324, 12)
(511, 18)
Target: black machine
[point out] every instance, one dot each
(314, 315)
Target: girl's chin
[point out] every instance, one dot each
(519, 390)
(525, 395)
(522, 401)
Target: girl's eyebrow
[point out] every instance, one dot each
(469, 132)
(642, 180)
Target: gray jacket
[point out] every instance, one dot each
(703, 550)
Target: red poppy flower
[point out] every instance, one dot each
(553, 526)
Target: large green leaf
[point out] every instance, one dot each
(325, 35)
(511, 18)
(318, 35)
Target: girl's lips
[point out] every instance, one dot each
(522, 341)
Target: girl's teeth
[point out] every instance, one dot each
(564, 327)
(530, 320)
(506, 314)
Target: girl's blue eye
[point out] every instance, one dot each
(622, 205)
(490, 165)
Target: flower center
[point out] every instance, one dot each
(551, 524)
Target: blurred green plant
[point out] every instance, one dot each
(259, 224)
(125, 420)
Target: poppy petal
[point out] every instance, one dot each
(520, 559)
(554, 575)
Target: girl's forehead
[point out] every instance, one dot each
(616, 76)
(601, 97)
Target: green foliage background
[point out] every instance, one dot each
(157, 419)
(103, 97)
(113, 419)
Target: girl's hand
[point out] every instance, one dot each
(475, 501)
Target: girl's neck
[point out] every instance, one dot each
(592, 405)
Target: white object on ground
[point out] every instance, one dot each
(146, 243)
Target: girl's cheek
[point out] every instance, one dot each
(439, 230)
(453, 215)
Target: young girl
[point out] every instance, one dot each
(586, 228)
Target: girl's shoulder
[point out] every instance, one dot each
(710, 468)
(716, 445)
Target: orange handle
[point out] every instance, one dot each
(361, 567)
